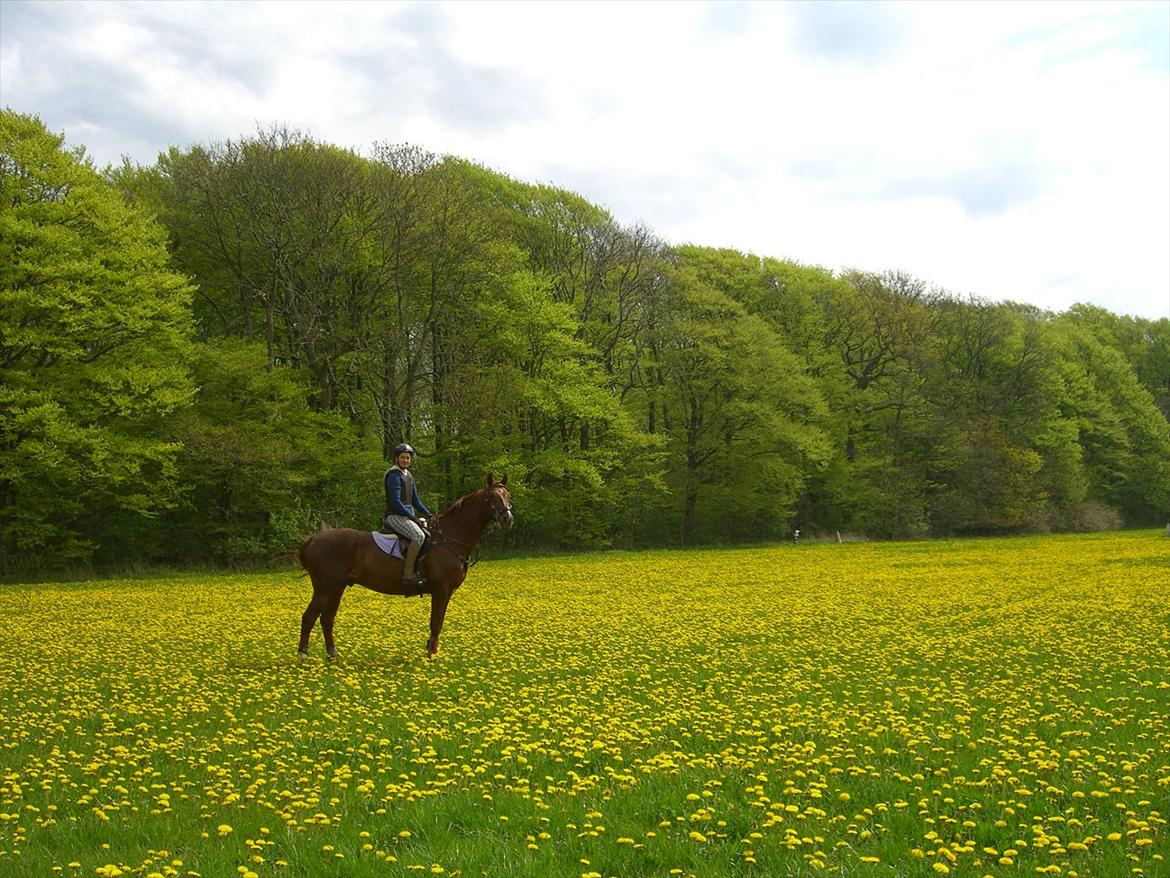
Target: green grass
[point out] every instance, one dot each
(855, 709)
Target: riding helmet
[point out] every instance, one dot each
(401, 447)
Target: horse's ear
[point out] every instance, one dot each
(504, 482)
(491, 481)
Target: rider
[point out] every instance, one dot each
(403, 509)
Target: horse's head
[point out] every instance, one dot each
(500, 501)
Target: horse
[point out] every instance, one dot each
(340, 557)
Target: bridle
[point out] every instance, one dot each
(505, 509)
(441, 540)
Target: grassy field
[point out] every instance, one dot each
(964, 708)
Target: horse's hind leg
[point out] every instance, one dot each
(309, 618)
(327, 617)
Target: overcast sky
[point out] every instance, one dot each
(1006, 150)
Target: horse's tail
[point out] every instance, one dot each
(285, 556)
(299, 554)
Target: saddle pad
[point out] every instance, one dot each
(388, 543)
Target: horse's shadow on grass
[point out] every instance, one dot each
(375, 660)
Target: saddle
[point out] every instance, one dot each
(389, 543)
(386, 530)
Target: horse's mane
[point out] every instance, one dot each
(465, 500)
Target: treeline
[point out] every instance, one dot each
(203, 358)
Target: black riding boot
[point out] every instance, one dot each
(410, 577)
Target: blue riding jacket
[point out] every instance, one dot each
(402, 495)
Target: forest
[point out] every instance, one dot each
(203, 359)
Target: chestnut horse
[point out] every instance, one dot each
(343, 556)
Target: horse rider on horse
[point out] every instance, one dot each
(405, 511)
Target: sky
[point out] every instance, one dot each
(1003, 150)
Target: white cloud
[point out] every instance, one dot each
(1005, 150)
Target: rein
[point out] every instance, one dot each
(442, 541)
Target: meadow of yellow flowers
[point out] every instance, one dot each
(966, 708)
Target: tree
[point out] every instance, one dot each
(94, 328)
(1145, 344)
(744, 417)
(258, 465)
(1124, 438)
(876, 331)
(992, 401)
(273, 229)
(523, 400)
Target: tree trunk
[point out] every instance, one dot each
(270, 331)
(690, 498)
(389, 412)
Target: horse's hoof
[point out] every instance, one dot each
(302, 657)
(331, 655)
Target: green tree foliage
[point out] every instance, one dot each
(93, 333)
(876, 334)
(540, 409)
(741, 416)
(989, 403)
(1145, 344)
(425, 253)
(962, 416)
(270, 228)
(635, 393)
(1123, 437)
(261, 467)
(597, 476)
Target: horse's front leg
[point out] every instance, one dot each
(327, 618)
(439, 598)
